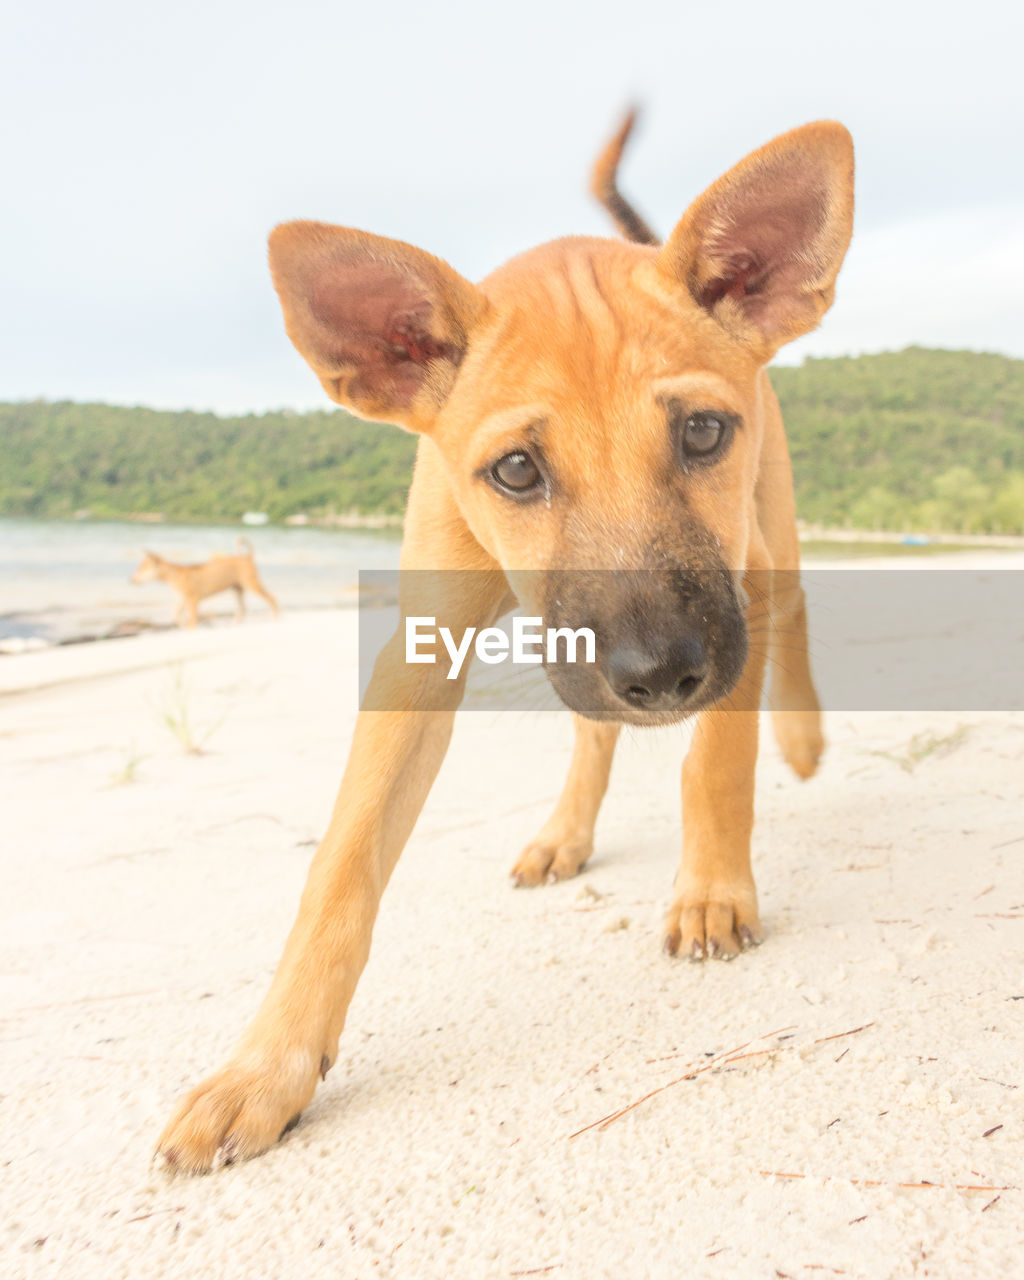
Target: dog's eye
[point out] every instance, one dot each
(702, 434)
(517, 472)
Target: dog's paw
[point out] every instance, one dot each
(235, 1114)
(717, 922)
(545, 861)
(800, 740)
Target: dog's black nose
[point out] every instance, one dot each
(658, 681)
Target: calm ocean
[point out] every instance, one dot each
(60, 579)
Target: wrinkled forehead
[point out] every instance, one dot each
(589, 325)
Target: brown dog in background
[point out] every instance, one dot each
(592, 405)
(195, 582)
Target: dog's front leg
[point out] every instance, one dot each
(714, 908)
(293, 1040)
(566, 840)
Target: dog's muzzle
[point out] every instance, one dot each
(668, 642)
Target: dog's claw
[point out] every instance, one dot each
(325, 1066)
(716, 951)
(549, 861)
(670, 943)
(715, 923)
(290, 1125)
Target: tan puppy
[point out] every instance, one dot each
(592, 405)
(194, 582)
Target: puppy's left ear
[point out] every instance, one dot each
(761, 248)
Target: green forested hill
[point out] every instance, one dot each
(911, 439)
(908, 439)
(56, 459)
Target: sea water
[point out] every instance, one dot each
(64, 579)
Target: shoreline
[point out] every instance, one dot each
(156, 519)
(133, 628)
(885, 632)
(372, 521)
(915, 538)
(40, 626)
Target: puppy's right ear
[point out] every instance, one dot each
(384, 326)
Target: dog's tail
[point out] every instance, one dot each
(603, 185)
(244, 546)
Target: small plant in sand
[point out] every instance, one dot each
(176, 714)
(925, 744)
(126, 774)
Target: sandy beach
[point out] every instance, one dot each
(526, 1084)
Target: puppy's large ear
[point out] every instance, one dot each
(384, 326)
(761, 248)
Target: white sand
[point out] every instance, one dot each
(140, 923)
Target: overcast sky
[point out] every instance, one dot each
(149, 149)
